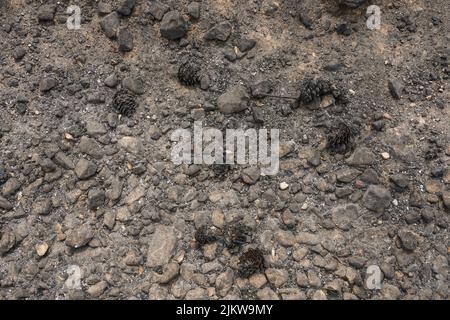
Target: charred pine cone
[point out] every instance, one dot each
(124, 103)
(204, 235)
(236, 235)
(341, 139)
(312, 90)
(251, 262)
(189, 72)
(351, 3)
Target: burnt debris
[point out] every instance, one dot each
(189, 72)
(341, 139)
(205, 235)
(124, 103)
(251, 262)
(236, 235)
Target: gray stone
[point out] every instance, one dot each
(194, 10)
(110, 24)
(221, 32)
(132, 145)
(11, 187)
(111, 81)
(126, 8)
(5, 204)
(95, 129)
(377, 198)
(277, 277)
(173, 26)
(46, 13)
(408, 240)
(395, 88)
(63, 161)
(224, 282)
(261, 88)
(347, 175)
(250, 175)
(85, 169)
(47, 165)
(157, 9)
(234, 100)
(90, 147)
(125, 40)
(96, 198)
(47, 84)
(161, 246)
(104, 8)
(79, 236)
(362, 157)
(7, 241)
(135, 85)
(41, 207)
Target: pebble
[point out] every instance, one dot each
(41, 249)
(173, 26)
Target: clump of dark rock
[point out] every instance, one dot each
(406, 23)
(124, 103)
(341, 138)
(236, 235)
(344, 29)
(351, 3)
(204, 235)
(3, 175)
(251, 262)
(189, 72)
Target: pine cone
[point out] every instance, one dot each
(313, 89)
(189, 72)
(124, 103)
(204, 235)
(341, 140)
(251, 262)
(236, 235)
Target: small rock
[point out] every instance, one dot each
(41, 249)
(79, 237)
(132, 145)
(7, 241)
(194, 10)
(395, 88)
(85, 169)
(157, 9)
(11, 187)
(46, 13)
(234, 100)
(97, 289)
(219, 32)
(5, 204)
(135, 85)
(261, 88)
(126, 8)
(161, 246)
(173, 26)
(41, 207)
(377, 198)
(408, 240)
(110, 24)
(250, 175)
(125, 40)
(47, 84)
(96, 198)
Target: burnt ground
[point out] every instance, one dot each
(82, 187)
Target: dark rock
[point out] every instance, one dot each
(85, 169)
(46, 13)
(79, 237)
(125, 40)
(126, 8)
(135, 85)
(250, 175)
(5, 204)
(173, 26)
(377, 198)
(110, 24)
(194, 10)
(246, 44)
(395, 88)
(408, 240)
(19, 53)
(47, 84)
(157, 9)
(351, 3)
(41, 207)
(96, 198)
(261, 88)
(234, 100)
(7, 241)
(219, 32)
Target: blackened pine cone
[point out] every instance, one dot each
(204, 235)
(189, 72)
(236, 235)
(313, 89)
(124, 103)
(351, 3)
(251, 262)
(341, 139)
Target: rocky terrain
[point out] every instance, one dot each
(92, 207)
